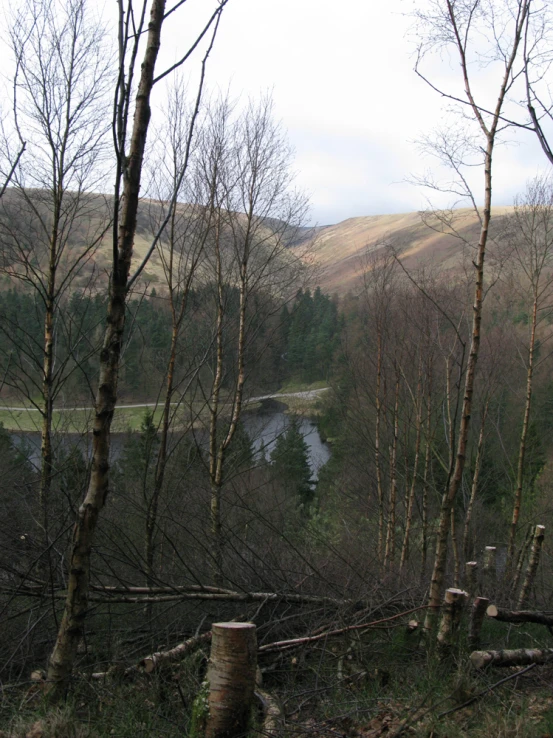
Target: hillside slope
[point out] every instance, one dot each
(341, 250)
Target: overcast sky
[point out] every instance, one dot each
(342, 80)
(344, 87)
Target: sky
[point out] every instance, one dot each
(343, 83)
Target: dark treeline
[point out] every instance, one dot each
(298, 345)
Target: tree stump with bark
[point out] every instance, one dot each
(231, 679)
(452, 609)
(490, 568)
(471, 578)
(478, 611)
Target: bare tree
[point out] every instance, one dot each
(257, 216)
(130, 143)
(50, 225)
(460, 26)
(531, 241)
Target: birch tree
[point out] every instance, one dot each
(50, 224)
(459, 27)
(134, 24)
(531, 236)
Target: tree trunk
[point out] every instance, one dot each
(389, 552)
(523, 436)
(474, 487)
(76, 606)
(532, 565)
(379, 487)
(489, 131)
(450, 494)
(455, 548)
(426, 473)
(411, 494)
(520, 560)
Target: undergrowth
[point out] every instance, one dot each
(381, 683)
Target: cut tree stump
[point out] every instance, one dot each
(231, 679)
(471, 578)
(490, 568)
(519, 616)
(533, 562)
(452, 608)
(516, 657)
(478, 611)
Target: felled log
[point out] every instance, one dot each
(477, 614)
(153, 661)
(513, 657)
(231, 679)
(533, 562)
(519, 616)
(273, 721)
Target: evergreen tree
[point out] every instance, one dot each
(290, 464)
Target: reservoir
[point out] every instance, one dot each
(263, 427)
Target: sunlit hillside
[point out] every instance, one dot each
(341, 251)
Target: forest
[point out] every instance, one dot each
(150, 336)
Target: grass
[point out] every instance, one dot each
(80, 421)
(73, 421)
(302, 386)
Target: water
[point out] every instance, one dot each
(265, 427)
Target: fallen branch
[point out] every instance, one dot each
(160, 658)
(514, 657)
(296, 642)
(139, 595)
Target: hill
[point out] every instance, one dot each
(422, 239)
